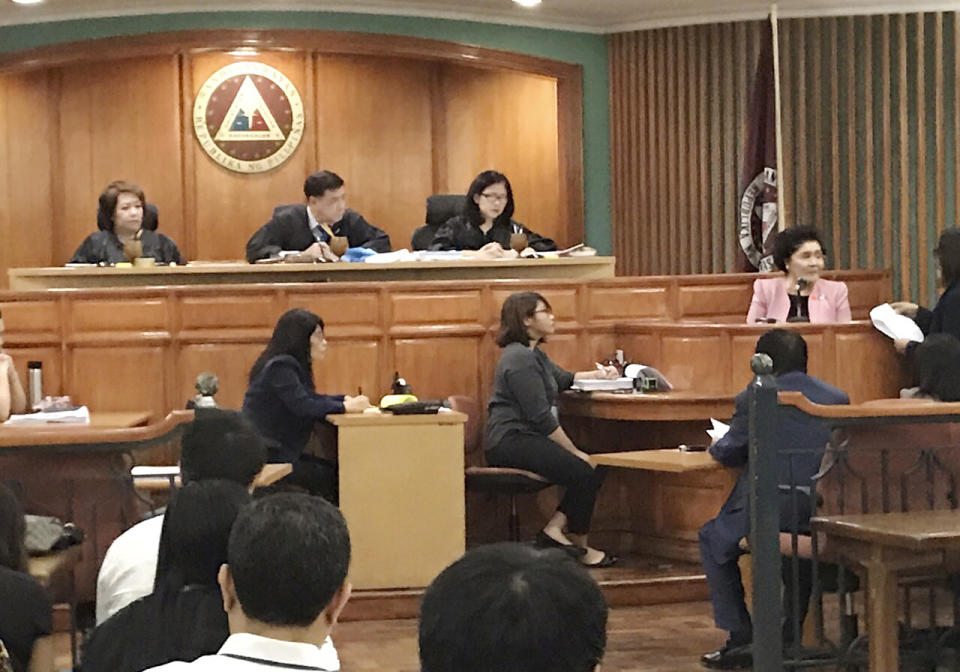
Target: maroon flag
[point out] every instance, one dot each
(757, 223)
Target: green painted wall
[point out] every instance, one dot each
(587, 50)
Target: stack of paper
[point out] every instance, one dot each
(602, 384)
(73, 416)
(718, 430)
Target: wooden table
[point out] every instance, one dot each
(238, 272)
(666, 459)
(44, 568)
(402, 493)
(884, 544)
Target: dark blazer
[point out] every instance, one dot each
(284, 408)
(458, 233)
(795, 433)
(943, 319)
(103, 247)
(289, 229)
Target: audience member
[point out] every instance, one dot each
(936, 368)
(183, 618)
(12, 397)
(284, 406)
(799, 294)
(217, 444)
(486, 222)
(308, 228)
(513, 608)
(803, 442)
(522, 427)
(945, 316)
(26, 614)
(121, 221)
(284, 586)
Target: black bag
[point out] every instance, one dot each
(46, 534)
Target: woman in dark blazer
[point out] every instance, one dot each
(485, 223)
(945, 316)
(121, 220)
(284, 406)
(522, 427)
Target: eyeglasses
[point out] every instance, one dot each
(497, 198)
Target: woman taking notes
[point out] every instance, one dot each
(485, 223)
(120, 222)
(800, 294)
(283, 404)
(522, 427)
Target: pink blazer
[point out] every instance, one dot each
(828, 301)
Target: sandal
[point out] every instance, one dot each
(607, 560)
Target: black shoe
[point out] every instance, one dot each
(607, 560)
(729, 658)
(544, 540)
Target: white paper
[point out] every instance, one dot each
(146, 470)
(602, 384)
(718, 430)
(892, 324)
(74, 416)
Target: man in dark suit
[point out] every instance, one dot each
(802, 442)
(308, 227)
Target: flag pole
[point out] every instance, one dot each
(781, 211)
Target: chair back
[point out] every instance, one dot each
(472, 430)
(422, 237)
(441, 207)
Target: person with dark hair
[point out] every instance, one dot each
(936, 367)
(803, 442)
(12, 397)
(121, 221)
(284, 406)
(26, 613)
(945, 316)
(308, 228)
(284, 586)
(183, 618)
(523, 431)
(486, 222)
(218, 444)
(512, 608)
(799, 294)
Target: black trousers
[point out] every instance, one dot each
(541, 455)
(317, 476)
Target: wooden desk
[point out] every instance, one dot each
(44, 568)
(884, 544)
(402, 493)
(81, 277)
(666, 459)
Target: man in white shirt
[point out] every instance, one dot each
(217, 444)
(283, 587)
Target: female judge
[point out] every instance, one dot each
(522, 427)
(12, 397)
(485, 223)
(284, 406)
(799, 294)
(120, 220)
(945, 316)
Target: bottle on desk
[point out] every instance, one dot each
(34, 383)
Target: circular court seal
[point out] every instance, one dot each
(248, 117)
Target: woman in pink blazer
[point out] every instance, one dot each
(800, 295)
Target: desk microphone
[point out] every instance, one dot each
(801, 285)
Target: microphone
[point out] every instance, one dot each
(801, 285)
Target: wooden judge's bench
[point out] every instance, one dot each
(133, 348)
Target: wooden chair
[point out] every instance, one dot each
(493, 480)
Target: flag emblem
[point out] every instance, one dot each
(248, 117)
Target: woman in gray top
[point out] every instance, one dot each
(522, 427)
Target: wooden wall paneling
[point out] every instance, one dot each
(863, 382)
(867, 75)
(480, 133)
(230, 206)
(833, 75)
(352, 364)
(120, 120)
(188, 161)
(118, 376)
(569, 95)
(640, 185)
(853, 161)
(617, 90)
(886, 148)
(702, 155)
(716, 151)
(663, 179)
(904, 155)
(742, 348)
(786, 177)
(819, 157)
(231, 362)
(673, 108)
(923, 281)
(653, 156)
(439, 367)
(613, 303)
(802, 198)
(27, 133)
(728, 134)
(51, 359)
(374, 116)
(681, 361)
(938, 96)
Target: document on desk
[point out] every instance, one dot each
(602, 384)
(717, 430)
(75, 416)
